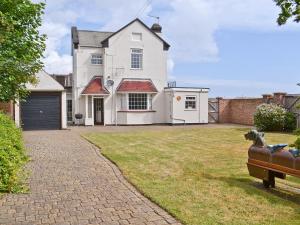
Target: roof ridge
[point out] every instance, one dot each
(96, 31)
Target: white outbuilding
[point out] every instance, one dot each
(186, 105)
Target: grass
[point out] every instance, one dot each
(200, 176)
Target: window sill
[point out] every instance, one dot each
(136, 69)
(137, 111)
(96, 64)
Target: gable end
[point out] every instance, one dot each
(105, 42)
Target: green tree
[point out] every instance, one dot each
(289, 9)
(21, 46)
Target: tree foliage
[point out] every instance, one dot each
(289, 9)
(21, 46)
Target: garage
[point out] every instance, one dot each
(41, 111)
(45, 107)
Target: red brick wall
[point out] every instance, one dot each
(8, 108)
(238, 111)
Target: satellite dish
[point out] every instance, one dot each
(110, 83)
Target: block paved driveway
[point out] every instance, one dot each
(71, 183)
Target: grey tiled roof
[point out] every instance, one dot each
(92, 38)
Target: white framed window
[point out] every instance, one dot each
(136, 58)
(137, 101)
(137, 36)
(69, 110)
(190, 102)
(96, 59)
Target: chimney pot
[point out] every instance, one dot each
(156, 28)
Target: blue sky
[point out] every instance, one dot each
(233, 47)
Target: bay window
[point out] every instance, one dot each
(136, 102)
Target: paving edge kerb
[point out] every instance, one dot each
(129, 185)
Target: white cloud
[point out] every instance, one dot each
(170, 65)
(54, 61)
(60, 64)
(189, 25)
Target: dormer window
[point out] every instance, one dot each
(136, 36)
(96, 59)
(136, 58)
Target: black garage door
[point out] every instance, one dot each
(41, 111)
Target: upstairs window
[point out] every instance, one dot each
(137, 101)
(190, 102)
(96, 59)
(136, 58)
(137, 36)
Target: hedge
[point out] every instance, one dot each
(12, 156)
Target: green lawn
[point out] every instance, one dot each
(200, 176)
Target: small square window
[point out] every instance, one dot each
(190, 102)
(136, 36)
(96, 59)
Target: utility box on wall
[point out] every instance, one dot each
(186, 105)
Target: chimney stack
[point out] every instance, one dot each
(156, 28)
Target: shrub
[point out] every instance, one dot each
(290, 123)
(270, 117)
(297, 132)
(296, 144)
(12, 155)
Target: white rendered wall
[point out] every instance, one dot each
(203, 107)
(118, 57)
(83, 72)
(178, 113)
(135, 118)
(63, 110)
(169, 106)
(116, 66)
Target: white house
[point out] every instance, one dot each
(120, 78)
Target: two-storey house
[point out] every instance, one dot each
(120, 78)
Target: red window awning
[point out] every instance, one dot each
(95, 87)
(138, 86)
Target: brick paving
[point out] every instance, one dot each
(72, 183)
